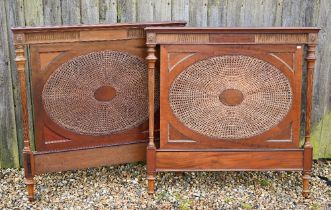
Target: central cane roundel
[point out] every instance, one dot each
(105, 93)
(99, 93)
(230, 97)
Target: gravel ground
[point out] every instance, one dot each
(124, 187)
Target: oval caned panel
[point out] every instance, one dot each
(230, 97)
(99, 93)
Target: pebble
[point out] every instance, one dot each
(125, 187)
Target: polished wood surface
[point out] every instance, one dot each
(308, 148)
(86, 158)
(151, 59)
(91, 27)
(183, 149)
(228, 160)
(58, 148)
(84, 33)
(27, 153)
(51, 136)
(268, 139)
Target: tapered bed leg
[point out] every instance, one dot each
(151, 149)
(306, 178)
(151, 184)
(151, 168)
(30, 187)
(307, 168)
(29, 174)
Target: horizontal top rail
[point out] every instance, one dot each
(94, 26)
(234, 29)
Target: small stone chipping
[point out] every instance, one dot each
(124, 187)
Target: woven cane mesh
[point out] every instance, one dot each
(194, 97)
(68, 95)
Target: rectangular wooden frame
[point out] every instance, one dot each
(220, 159)
(47, 160)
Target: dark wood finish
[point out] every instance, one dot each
(58, 148)
(308, 148)
(65, 138)
(27, 153)
(277, 148)
(227, 160)
(201, 141)
(92, 27)
(86, 158)
(151, 58)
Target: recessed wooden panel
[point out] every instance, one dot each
(211, 87)
(66, 93)
(227, 160)
(47, 57)
(86, 158)
(177, 57)
(103, 35)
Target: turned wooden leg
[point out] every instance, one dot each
(306, 178)
(27, 153)
(151, 149)
(307, 168)
(30, 187)
(151, 169)
(29, 174)
(151, 183)
(308, 148)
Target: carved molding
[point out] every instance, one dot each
(151, 38)
(183, 38)
(206, 38)
(281, 38)
(74, 36)
(19, 38)
(52, 37)
(312, 38)
(136, 33)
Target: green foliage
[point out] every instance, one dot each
(321, 137)
(228, 200)
(264, 183)
(184, 204)
(246, 206)
(315, 206)
(162, 195)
